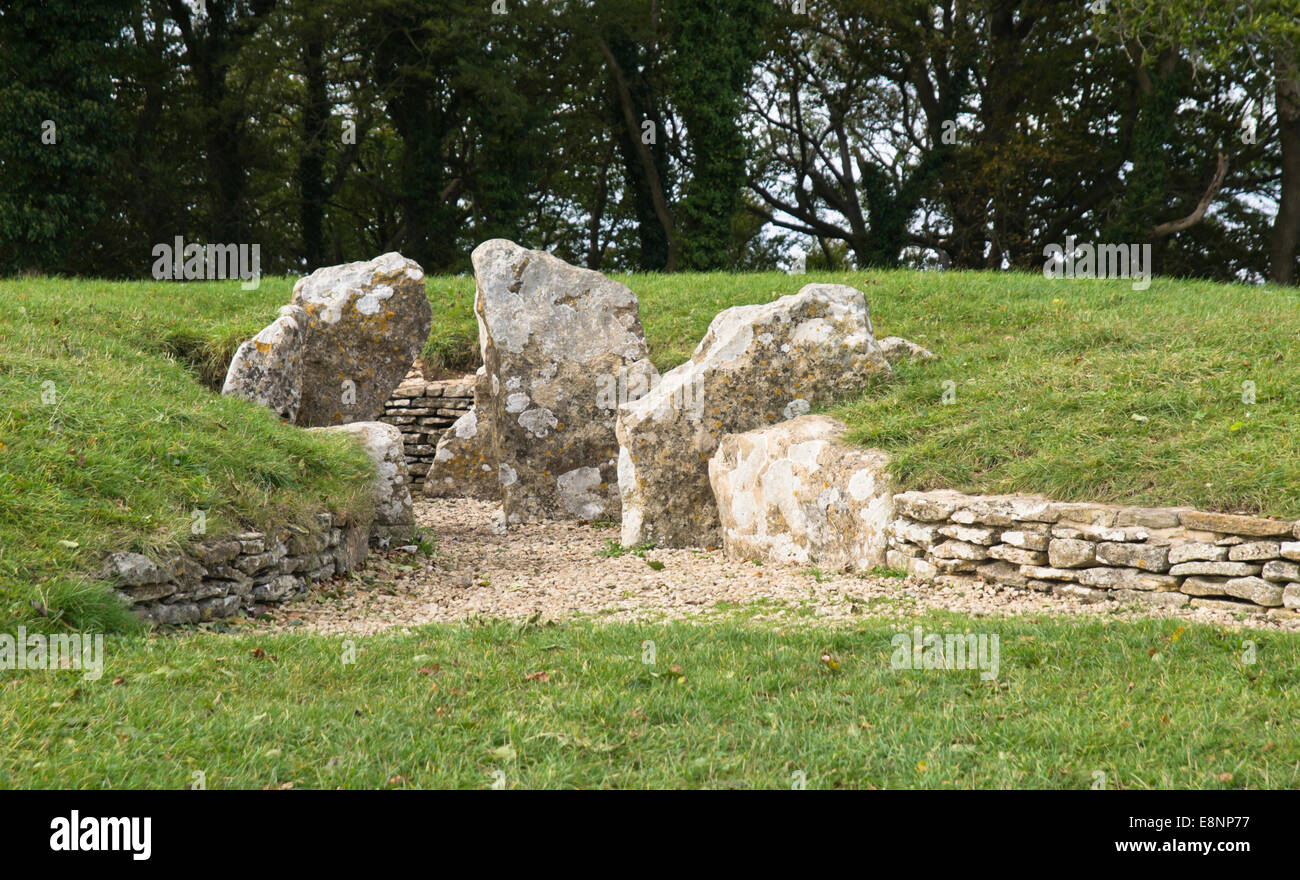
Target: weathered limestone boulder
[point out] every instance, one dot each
(394, 515)
(367, 321)
(897, 350)
(554, 339)
(757, 365)
(464, 463)
(795, 493)
(267, 369)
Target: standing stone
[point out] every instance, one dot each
(561, 347)
(464, 463)
(394, 516)
(795, 493)
(267, 369)
(757, 365)
(367, 322)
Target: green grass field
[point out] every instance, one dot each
(1080, 390)
(727, 705)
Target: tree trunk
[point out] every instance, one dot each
(311, 163)
(1286, 227)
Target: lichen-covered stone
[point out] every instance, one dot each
(1251, 551)
(757, 365)
(899, 350)
(1126, 579)
(1196, 551)
(392, 494)
(1254, 589)
(555, 339)
(1071, 553)
(795, 493)
(367, 321)
(1233, 524)
(268, 369)
(1225, 569)
(1149, 557)
(465, 462)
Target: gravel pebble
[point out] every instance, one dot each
(553, 571)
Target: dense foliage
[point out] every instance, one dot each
(652, 134)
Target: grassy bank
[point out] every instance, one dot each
(730, 705)
(108, 441)
(1081, 390)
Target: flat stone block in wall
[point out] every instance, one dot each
(795, 493)
(1235, 525)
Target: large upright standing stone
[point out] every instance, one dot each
(757, 365)
(555, 339)
(367, 322)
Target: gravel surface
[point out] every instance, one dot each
(555, 571)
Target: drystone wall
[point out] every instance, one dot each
(422, 410)
(221, 575)
(1168, 556)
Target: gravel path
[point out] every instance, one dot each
(554, 571)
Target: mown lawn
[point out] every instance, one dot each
(728, 705)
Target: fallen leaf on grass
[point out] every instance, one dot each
(543, 677)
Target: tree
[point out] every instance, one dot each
(58, 126)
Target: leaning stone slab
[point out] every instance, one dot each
(556, 340)
(367, 322)
(382, 442)
(796, 493)
(757, 365)
(1233, 524)
(267, 369)
(464, 462)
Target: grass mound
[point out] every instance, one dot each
(108, 442)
